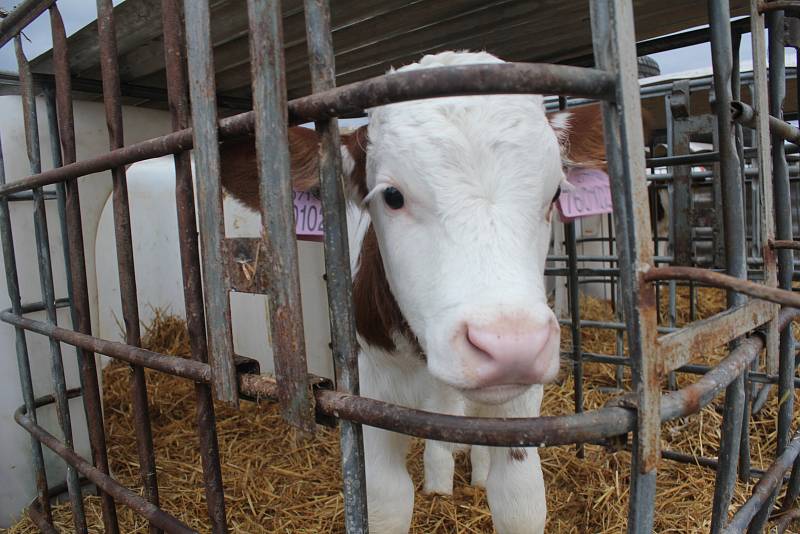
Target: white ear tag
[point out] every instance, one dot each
(307, 216)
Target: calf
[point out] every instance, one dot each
(453, 199)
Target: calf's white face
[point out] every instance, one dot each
(460, 193)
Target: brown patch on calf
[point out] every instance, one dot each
(516, 454)
(378, 316)
(582, 139)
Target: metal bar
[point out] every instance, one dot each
(777, 5)
(277, 214)
(680, 346)
(141, 506)
(124, 245)
(20, 17)
(178, 89)
(782, 130)
(46, 281)
(724, 281)
(79, 295)
(199, 372)
(337, 265)
(779, 244)
(21, 345)
(765, 488)
(504, 78)
(684, 159)
(615, 52)
(209, 194)
(575, 319)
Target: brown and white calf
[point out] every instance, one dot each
(451, 208)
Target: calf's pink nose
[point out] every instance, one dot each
(513, 352)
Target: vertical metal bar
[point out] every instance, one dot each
(615, 51)
(337, 265)
(277, 213)
(736, 94)
(782, 227)
(575, 320)
(77, 267)
(735, 250)
(177, 91)
(46, 281)
(209, 194)
(124, 244)
(21, 345)
(783, 220)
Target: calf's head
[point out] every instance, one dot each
(459, 191)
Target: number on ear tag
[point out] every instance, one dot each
(590, 195)
(307, 216)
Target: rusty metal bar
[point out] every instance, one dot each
(177, 90)
(777, 5)
(209, 194)
(124, 244)
(20, 17)
(398, 87)
(784, 244)
(680, 346)
(277, 214)
(138, 504)
(337, 265)
(79, 294)
(615, 52)
(724, 281)
(765, 488)
(46, 284)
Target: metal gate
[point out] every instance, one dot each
(750, 325)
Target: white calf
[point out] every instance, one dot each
(454, 199)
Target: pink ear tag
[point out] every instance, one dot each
(591, 194)
(307, 216)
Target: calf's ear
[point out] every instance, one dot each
(580, 133)
(239, 171)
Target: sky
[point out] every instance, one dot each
(78, 13)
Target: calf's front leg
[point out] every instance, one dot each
(390, 491)
(515, 484)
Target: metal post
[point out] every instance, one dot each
(79, 295)
(575, 319)
(615, 52)
(209, 196)
(177, 90)
(124, 244)
(337, 266)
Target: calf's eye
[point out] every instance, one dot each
(393, 198)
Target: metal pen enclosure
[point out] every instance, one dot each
(750, 325)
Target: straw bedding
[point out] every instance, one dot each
(273, 484)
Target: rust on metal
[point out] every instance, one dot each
(724, 281)
(784, 243)
(247, 264)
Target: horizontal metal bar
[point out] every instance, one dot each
(778, 244)
(762, 491)
(122, 494)
(679, 347)
(402, 86)
(746, 115)
(197, 371)
(724, 281)
(778, 5)
(684, 159)
(504, 78)
(24, 14)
